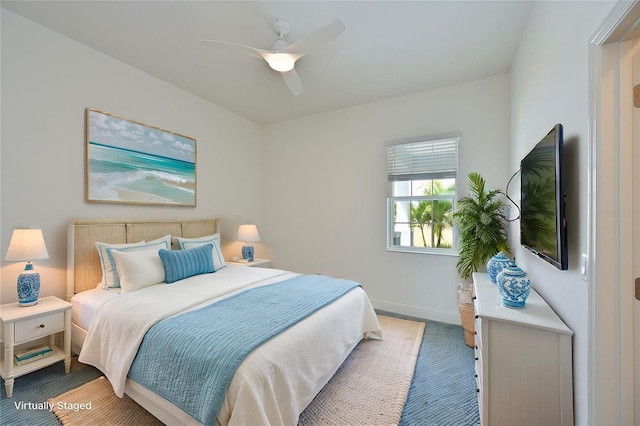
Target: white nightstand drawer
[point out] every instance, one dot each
(38, 327)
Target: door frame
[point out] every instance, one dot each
(611, 328)
(635, 217)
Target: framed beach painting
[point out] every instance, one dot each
(134, 163)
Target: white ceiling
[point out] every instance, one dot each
(390, 48)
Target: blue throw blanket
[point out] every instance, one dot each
(191, 358)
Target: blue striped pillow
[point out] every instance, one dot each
(179, 264)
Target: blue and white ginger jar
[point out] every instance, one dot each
(514, 286)
(496, 264)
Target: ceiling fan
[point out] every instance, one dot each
(283, 56)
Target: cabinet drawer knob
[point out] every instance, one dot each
(41, 326)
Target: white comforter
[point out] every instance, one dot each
(300, 360)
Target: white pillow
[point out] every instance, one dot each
(218, 259)
(109, 272)
(165, 239)
(110, 276)
(138, 268)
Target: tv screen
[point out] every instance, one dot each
(543, 227)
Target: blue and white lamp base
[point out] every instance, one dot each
(247, 253)
(28, 286)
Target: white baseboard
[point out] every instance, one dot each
(417, 312)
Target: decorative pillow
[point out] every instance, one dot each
(109, 272)
(179, 264)
(218, 259)
(138, 268)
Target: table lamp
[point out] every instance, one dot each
(247, 234)
(27, 245)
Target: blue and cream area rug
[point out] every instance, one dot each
(28, 405)
(436, 387)
(443, 390)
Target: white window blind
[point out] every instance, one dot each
(434, 159)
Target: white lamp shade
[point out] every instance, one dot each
(248, 233)
(26, 245)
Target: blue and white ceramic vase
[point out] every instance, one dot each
(28, 286)
(514, 286)
(496, 264)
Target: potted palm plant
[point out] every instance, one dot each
(481, 226)
(482, 230)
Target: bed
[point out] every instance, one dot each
(116, 328)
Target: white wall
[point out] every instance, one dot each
(325, 189)
(549, 84)
(47, 82)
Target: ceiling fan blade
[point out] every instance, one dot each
(292, 79)
(237, 48)
(317, 38)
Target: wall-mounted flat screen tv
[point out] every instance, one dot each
(543, 226)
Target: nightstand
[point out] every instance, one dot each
(256, 263)
(23, 324)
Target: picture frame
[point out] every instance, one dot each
(129, 162)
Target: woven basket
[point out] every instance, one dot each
(467, 314)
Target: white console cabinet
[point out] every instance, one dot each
(524, 365)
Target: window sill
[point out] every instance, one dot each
(438, 252)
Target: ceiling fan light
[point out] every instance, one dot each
(281, 62)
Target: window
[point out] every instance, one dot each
(422, 195)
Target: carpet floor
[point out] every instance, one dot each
(442, 392)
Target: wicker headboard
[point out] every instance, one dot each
(83, 263)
